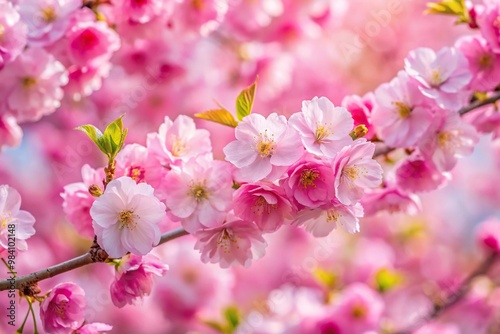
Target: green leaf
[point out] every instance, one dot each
(111, 141)
(387, 279)
(215, 325)
(450, 7)
(327, 278)
(232, 316)
(244, 101)
(221, 116)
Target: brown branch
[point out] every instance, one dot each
(24, 281)
(455, 297)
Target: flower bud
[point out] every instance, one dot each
(95, 190)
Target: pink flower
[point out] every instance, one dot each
(483, 63)
(234, 242)
(140, 11)
(47, 20)
(199, 192)
(390, 199)
(263, 147)
(126, 217)
(12, 34)
(176, 141)
(416, 174)
(309, 182)
(355, 170)
(131, 162)
(487, 20)
(135, 277)
(449, 139)
(263, 203)
(10, 132)
(199, 16)
(485, 120)
(77, 200)
(83, 81)
(442, 76)
(359, 309)
(324, 129)
(321, 221)
(30, 86)
(401, 115)
(13, 221)
(361, 110)
(90, 42)
(488, 235)
(64, 309)
(93, 328)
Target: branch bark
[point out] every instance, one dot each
(21, 282)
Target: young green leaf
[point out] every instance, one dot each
(221, 116)
(450, 7)
(232, 316)
(244, 101)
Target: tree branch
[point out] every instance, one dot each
(455, 297)
(24, 281)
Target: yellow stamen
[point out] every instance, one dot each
(28, 82)
(179, 147)
(307, 178)
(127, 219)
(261, 206)
(265, 145)
(403, 109)
(485, 62)
(199, 191)
(322, 132)
(48, 14)
(436, 78)
(359, 311)
(198, 4)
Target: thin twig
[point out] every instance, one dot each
(77, 262)
(455, 297)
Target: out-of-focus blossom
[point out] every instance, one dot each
(355, 170)
(200, 16)
(90, 42)
(483, 63)
(309, 182)
(135, 277)
(234, 242)
(64, 309)
(321, 221)
(401, 115)
(447, 140)
(93, 328)
(488, 234)
(77, 200)
(30, 86)
(12, 34)
(131, 162)
(263, 147)
(390, 199)
(10, 132)
(487, 20)
(47, 20)
(141, 11)
(199, 193)
(359, 309)
(14, 223)
(361, 110)
(126, 216)
(263, 203)
(324, 129)
(442, 75)
(417, 174)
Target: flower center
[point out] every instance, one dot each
(48, 14)
(485, 62)
(179, 148)
(198, 4)
(261, 206)
(265, 145)
(127, 219)
(332, 215)
(307, 178)
(436, 78)
(322, 132)
(136, 173)
(60, 308)
(403, 109)
(2, 30)
(199, 191)
(225, 240)
(5, 219)
(28, 82)
(359, 311)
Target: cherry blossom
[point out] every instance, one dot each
(125, 218)
(12, 34)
